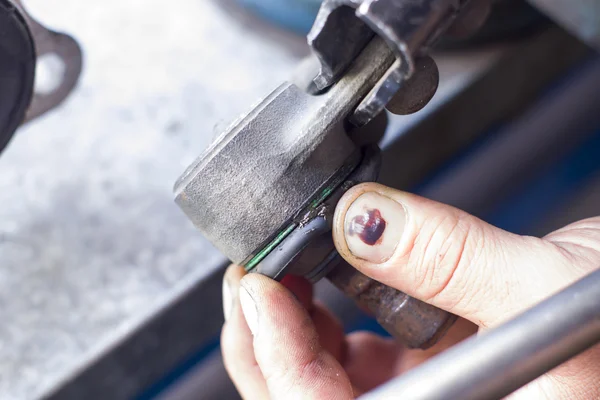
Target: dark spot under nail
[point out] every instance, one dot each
(368, 227)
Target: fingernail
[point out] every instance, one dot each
(373, 227)
(249, 310)
(228, 299)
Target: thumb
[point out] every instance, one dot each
(287, 345)
(444, 256)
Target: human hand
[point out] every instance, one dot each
(279, 345)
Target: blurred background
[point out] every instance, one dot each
(108, 291)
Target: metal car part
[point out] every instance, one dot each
(17, 70)
(282, 168)
(24, 42)
(416, 324)
(308, 249)
(493, 365)
(270, 164)
(410, 28)
(419, 90)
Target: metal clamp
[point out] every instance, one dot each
(409, 27)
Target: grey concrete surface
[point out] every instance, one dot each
(90, 239)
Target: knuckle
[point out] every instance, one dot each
(578, 243)
(443, 251)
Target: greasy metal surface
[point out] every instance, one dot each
(496, 363)
(408, 27)
(63, 46)
(580, 17)
(336, 38)
(270, 164)
(414, 323)
(307, 251)
(419, 90)
(343, 27)
(265, 169)
(283, 259)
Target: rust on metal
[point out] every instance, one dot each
(416, 324)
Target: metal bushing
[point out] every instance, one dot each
(244, 193)
(250, 184)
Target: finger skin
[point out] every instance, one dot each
(236, 345)
(461, 330)
(370, 360)
(287, 346)
(578, 378)
(331, 333)
(457, 262)
(301, 288)
(580, 244)
(330, 330)
(464, 265)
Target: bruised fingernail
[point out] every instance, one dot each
(249, 309)
(228, 299)
(373, 227)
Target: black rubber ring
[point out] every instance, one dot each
(17, 70)
(280, 259)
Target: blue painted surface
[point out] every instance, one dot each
(297, 15)
(550, 191)
(180, 371)
(497, 130)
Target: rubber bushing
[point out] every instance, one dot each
(17, 70)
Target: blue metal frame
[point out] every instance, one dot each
(297, 15)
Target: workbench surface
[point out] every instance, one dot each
(91, 241)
